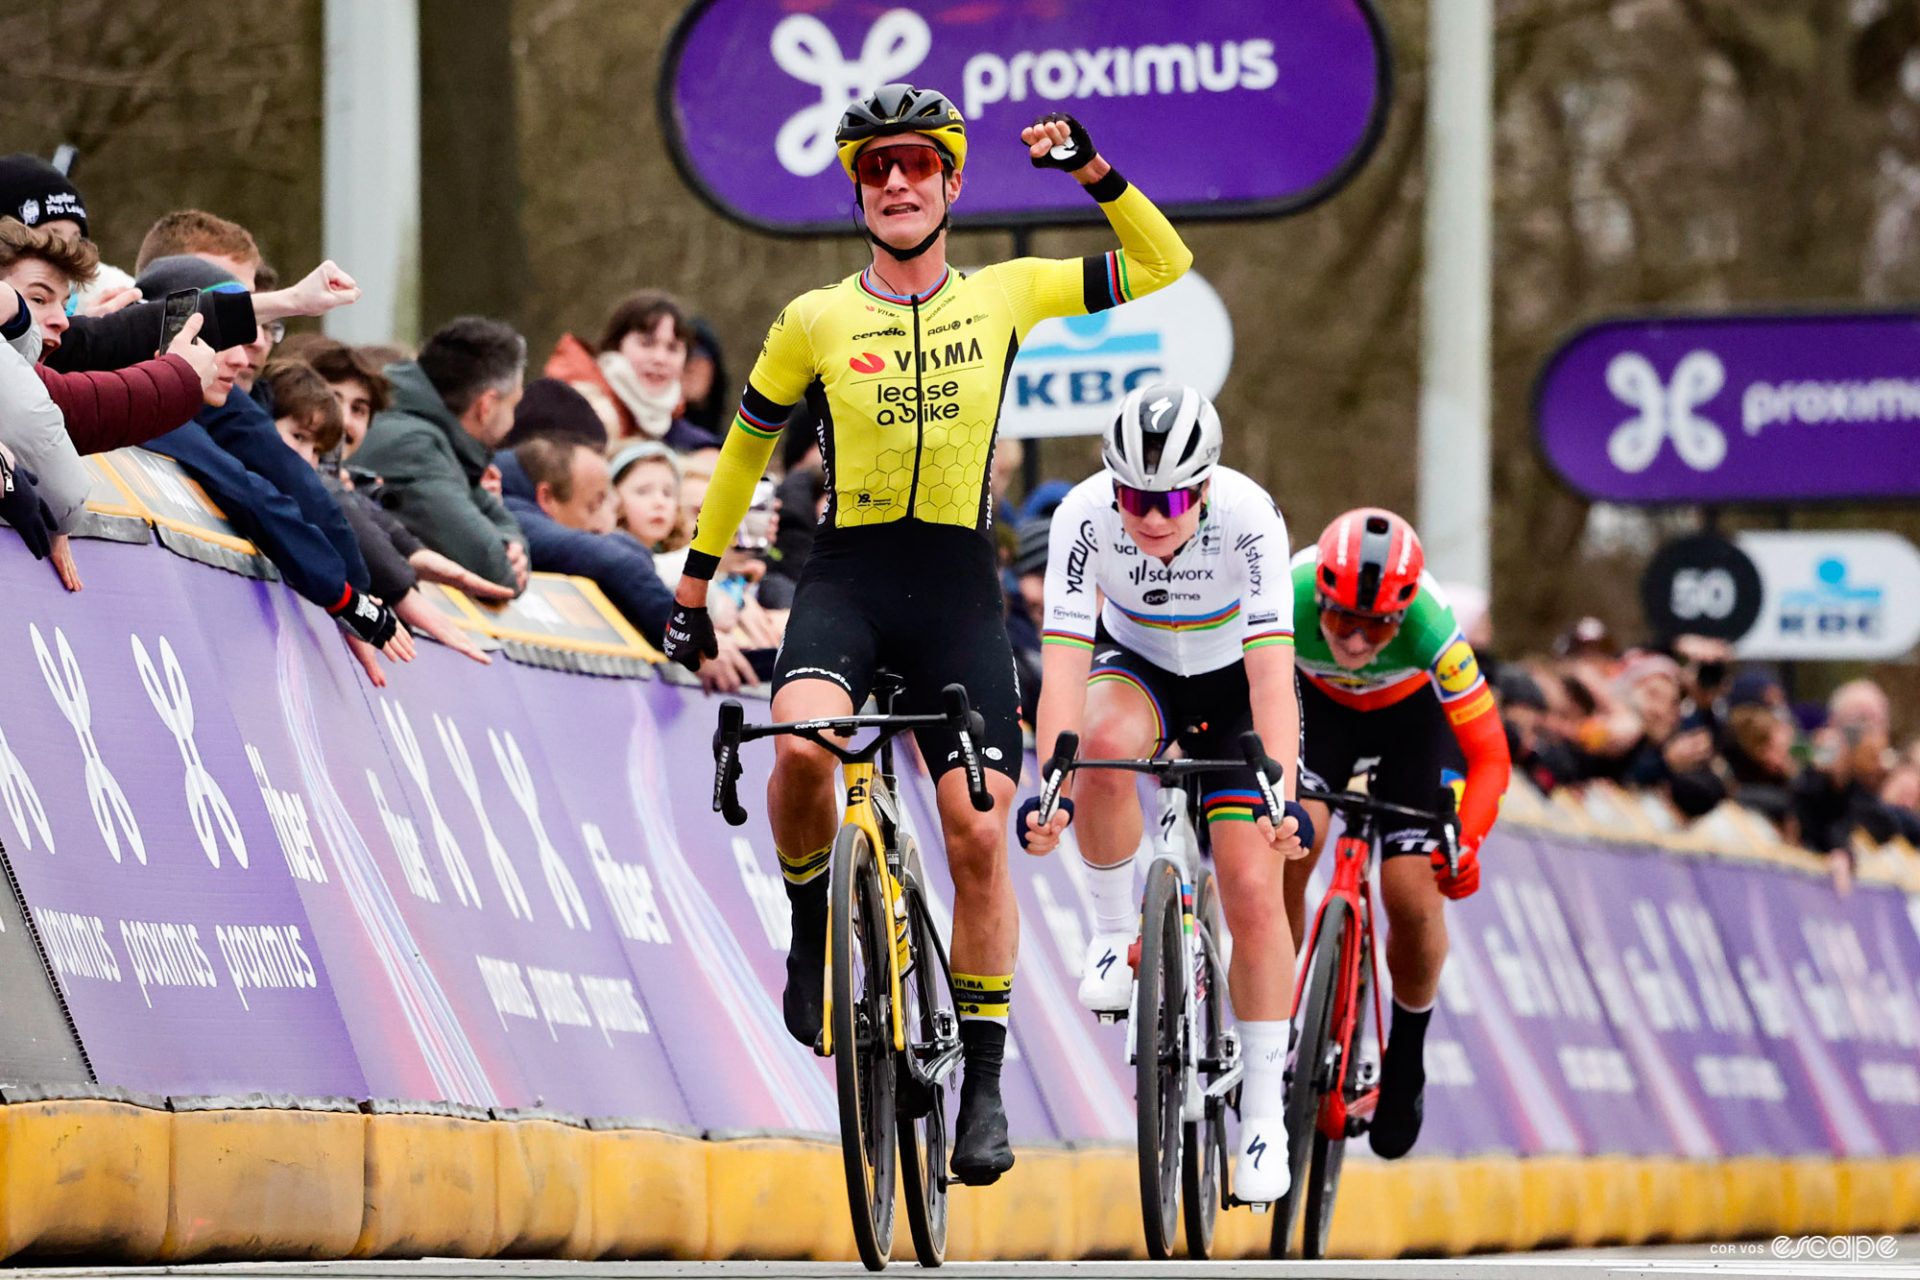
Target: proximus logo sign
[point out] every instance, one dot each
(755, 90)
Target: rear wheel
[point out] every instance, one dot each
(863, 1041)
(1323, 1171)
(931, 1024)
(1159, 1056)
(1204, 1170)
(1311, 1065)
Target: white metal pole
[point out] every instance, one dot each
(372, 210)
(1455, 333)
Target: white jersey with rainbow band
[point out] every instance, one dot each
(1225, 592)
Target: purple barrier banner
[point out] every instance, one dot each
(1305, 84)
(252, 871)
(1735, 408)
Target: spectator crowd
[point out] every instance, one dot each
(364, 472)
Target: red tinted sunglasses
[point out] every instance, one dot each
(1343, 623)
(1174, 503)
(916, 164)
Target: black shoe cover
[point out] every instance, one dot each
(981, 1152)
(1396, 1120)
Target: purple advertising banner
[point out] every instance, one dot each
(1736, 408)
(251, 871)
(1179, 97)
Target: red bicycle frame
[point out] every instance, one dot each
(1352, 857)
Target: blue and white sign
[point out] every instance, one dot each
(1071, 374)
(1834, 595)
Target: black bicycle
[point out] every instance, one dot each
(1185, 1055)
(889, 1022)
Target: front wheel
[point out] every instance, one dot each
(1206, 1139)
(1312, 1064)
(862, 1024)
(1329, 1154)
(1160, 1058)
(931, 1025)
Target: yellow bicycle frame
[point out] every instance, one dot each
(861, 779)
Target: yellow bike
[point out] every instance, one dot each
(889, 1020)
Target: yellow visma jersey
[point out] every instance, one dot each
(912, 387)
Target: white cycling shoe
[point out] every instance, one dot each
(1261, 1175)
(1106, 979)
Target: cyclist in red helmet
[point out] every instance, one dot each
(1387, 675)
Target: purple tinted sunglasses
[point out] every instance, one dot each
(1173, 503)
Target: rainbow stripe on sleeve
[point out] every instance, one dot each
(755, 427)
(1066, 638)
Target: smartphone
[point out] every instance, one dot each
(179, 306)
(756, 527)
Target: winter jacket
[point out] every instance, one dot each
(245, 430)
(119, 407)
(618, 565)
(32, 427)
(127, 336)
(575, 364)
(387, 568)
(431, 470)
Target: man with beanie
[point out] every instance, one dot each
(552, 409)
(40, 196)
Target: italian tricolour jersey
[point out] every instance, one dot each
(1429, 650)
(1225, 592)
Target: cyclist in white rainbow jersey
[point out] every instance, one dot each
(1169, 618)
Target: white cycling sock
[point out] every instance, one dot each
(1116, 903)
(1264, 1046)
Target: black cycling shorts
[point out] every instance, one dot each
(924, 602)
(1205, 714)
(1410, 739)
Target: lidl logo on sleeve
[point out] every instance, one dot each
(1457, 668)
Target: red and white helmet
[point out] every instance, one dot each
(1369, 562)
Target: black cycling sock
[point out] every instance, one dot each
(983, 1042)
(1408, 1037)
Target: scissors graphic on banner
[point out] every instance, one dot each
(111, 812)
(806, 50)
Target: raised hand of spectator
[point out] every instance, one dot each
(727, 671)
(108, 301)
(760, 628)
(320, 291)
(61, 553)
(414, 610)
(188, 345)
(434, 567)
(490, 480)
(22, 507)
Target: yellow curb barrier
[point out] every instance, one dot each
(777, 1198)
(1701, 1195)
(1658, 1181)
(258, 1182)
(431, 1186)
(1866, 1197)
(649, 1195)
(1549, 1199)
(1906, 1195)
(1433, 1203)
(1106, 1204)
(1812, 1199)
(1491, 1210)
(1754, 1197)
(544, 1186)
(1368, 1218)
(1608, 1199)
(83, 1176)
(1029, 1213)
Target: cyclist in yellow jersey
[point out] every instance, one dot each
(906, 363)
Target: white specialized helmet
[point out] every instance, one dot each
(1166, 436)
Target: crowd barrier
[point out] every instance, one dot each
(467, 966)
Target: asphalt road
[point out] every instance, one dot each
(1753, 1258)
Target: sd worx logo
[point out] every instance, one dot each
(867, 362)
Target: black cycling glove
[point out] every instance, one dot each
(689, 637)
(1075, 153)
(22, 507)
(367, 618)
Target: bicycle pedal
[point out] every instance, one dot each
(1108, 1019)
(820, 1045)
(1357, 1125)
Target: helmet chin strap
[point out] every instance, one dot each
(908, 254)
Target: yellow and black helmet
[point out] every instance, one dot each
(893, 109)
